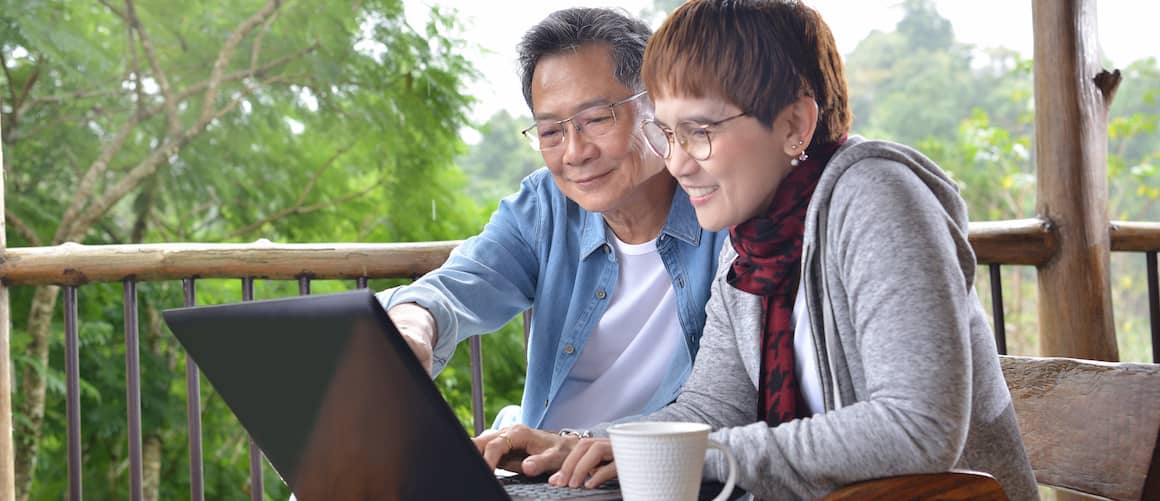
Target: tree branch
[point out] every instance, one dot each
(168, 102)
(82, 94)
(145, 168)
(115, 11)
(11, 81)
(297, 208)
(243, 74)
(304, 210)
(95, 171)
(20, 226)
(227, 52)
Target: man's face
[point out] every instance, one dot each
(598, 173)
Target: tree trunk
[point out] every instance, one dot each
(151, 468)
(7, 478)
(32, 387)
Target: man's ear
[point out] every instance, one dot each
(801, 117)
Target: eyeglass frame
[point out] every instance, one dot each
(534, 140)
(671, 135)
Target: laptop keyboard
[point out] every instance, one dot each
(549, 491)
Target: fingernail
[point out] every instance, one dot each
(555, 478)
(530, 467)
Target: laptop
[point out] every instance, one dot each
(330, 391)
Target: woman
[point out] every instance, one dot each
(844, 340)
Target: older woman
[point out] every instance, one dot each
(844, 340)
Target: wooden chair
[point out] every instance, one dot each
(1089, 427)
(949, 486)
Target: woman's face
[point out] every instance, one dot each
(746, 164)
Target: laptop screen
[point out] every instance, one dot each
(332, 394)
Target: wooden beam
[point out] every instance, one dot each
(7, 466)
(1135, 237)
(1021, 241)
(1072, 95)
(75, 264)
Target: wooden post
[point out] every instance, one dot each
(7, 468)
(1072, 96)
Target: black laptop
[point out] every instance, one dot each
(331, 393)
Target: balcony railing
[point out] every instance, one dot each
(1021, 242)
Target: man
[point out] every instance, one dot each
(602, 244)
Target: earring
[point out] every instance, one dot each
(794, 162)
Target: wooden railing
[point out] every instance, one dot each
(1019, 242)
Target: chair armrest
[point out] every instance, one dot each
(951, 485)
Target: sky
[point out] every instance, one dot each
(495, 28)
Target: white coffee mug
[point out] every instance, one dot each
(663, 461)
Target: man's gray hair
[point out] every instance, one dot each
(569, 29)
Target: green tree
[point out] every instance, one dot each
(154, 121)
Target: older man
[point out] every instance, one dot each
(602, 244)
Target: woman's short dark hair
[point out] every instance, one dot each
(759, 54)
(569, 29)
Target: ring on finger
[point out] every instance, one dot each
(507, 440)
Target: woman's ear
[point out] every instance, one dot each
(801, 120)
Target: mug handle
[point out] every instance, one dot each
(728, 489)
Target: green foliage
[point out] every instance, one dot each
(501, 158)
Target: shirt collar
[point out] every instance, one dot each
(681, 224)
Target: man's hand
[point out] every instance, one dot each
(417, 326)
(524, 450)
(588, 465)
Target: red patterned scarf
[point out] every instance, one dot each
(768, 264)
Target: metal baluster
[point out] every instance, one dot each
(303, 285)
(477, 383)
(256, 480)
(361, 282)
(133, 387)
(72, 393)
(997, 309)
(1154, 304)
(193, 410)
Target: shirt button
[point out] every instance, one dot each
(607, 249)
(681, 282)
(600, 294)
(545, 402)
(569, 349)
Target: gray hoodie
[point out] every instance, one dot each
(910, 375)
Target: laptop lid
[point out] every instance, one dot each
(329, 390)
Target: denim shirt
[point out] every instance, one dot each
(541, 250)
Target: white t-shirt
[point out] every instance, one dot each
(805, 362)
(622, 363)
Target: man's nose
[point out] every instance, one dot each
(577, 149)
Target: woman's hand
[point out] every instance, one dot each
(589, 465)
(524, 450)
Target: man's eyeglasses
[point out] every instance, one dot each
(693, 137)
(592, 122)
